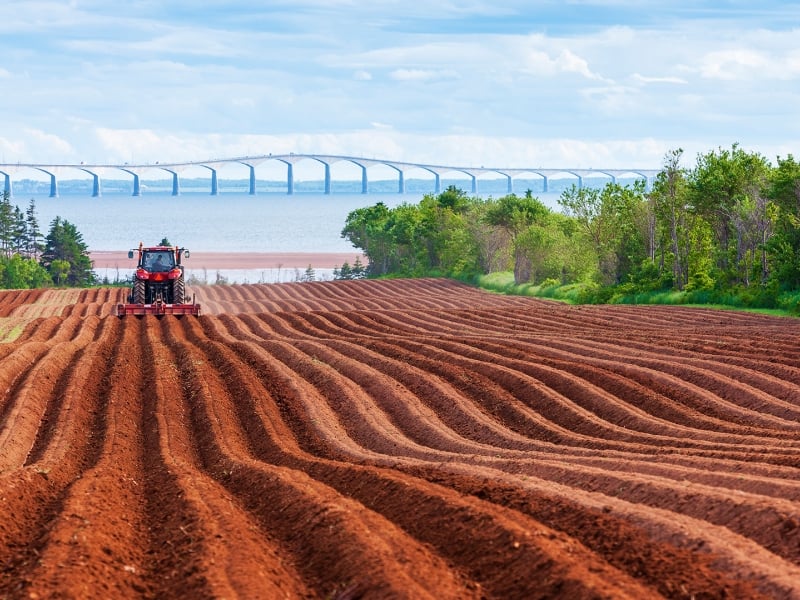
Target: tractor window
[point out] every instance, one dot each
(158, 261)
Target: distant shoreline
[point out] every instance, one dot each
(110, 259)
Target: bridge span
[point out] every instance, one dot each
(97, 171)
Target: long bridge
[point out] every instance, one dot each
(174, 169)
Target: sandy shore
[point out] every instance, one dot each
(104, 259)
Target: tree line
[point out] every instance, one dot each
(31, 259)
(727, 226)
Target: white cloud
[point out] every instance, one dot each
(230, 79)
(749, 64)
(568, 62)
(383, 142)
(644, 79)
(422, 74)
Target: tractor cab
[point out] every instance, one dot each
(158, 261)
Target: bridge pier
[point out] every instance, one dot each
(53, 182)
(95, 182)
(544, 183)
(176, 186)
(137, 191)
(289, 178)
(474, 184)
(363, 179)
(252, 190)
(510, 184)
(437, 186)
(214, 185)
(7, 185)
(401, 187)
(327, 178)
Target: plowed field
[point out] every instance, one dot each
(395, 439)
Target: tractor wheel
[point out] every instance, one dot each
(138, 292)
(179, 290)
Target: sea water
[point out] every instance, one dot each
(227, 222)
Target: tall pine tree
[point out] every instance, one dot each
(33, 241)
(64, 243)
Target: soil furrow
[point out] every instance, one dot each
(357, 560)
(438, 517)
(101, 532)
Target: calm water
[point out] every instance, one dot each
(229, 222)
(201, 222)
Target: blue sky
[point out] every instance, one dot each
(583, 83)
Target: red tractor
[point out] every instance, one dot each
(159, 287)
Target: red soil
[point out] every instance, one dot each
(396, 439)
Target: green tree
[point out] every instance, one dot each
(6, 225)
(309, 274)
(784, 246)
(634, 245)
(431, 237)
(443, 241)
(24, 273)
(365, 228)
(59, 271)
(358, 271)
(33, 240)
(515, 215)
(65, 243)
(616, 221)
(598, 224)
(346, 272)
(725, 189)
(670, 200)
(543, 245)
(19, 232)
(405, 235)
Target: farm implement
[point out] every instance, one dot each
(159, 287)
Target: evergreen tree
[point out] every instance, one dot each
(359, 271)
(310, 274)
(33, 242)
(19, 232)
(6, 225)
(64, 244)
(346, 272)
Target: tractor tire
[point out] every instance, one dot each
(138, 292)
(179, 290)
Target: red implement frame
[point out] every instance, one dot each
(157, 309)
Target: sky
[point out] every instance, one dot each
(506, 83)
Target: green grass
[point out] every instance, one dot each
(786, 304)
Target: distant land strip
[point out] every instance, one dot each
(110, 259)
